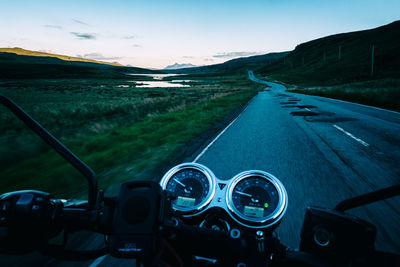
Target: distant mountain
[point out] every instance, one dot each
(25, 52)
(177, 66)
(341, 58)
(31, 64)
(238, 65)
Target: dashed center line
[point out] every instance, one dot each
(352, 136)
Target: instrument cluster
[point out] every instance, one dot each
(253, 198)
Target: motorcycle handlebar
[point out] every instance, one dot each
(32, 218)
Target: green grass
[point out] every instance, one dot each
(384, 93)
(122, 133)
(315, 67)
(124, 153)
(317, 63)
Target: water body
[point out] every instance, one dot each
(157, 81)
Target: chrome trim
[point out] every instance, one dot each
(251, 222)
(212, 184)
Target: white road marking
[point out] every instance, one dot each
(218, 136)
(97, 261)
(352, 136)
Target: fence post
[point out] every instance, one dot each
(372, 60)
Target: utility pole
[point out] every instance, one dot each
(372, 60)
(340, 52)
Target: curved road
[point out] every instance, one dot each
(323, 150)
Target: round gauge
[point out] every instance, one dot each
(256, 199)
(193, 184)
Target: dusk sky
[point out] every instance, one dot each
(154, 34)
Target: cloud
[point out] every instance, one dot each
(128, 37)
(98, 56)
(208, 59)
(136, 45)
(53, 26)
(236, 54)
(187, 56)
(80, 22)
(86, 36)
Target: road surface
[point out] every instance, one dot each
(323, 151)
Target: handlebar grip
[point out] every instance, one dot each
(27, 220)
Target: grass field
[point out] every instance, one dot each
(384, 93)
(339, 66)
(122, 132)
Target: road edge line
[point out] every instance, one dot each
(219, 135)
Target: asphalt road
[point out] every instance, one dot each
(323, 151)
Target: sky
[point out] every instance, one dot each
(154, 34)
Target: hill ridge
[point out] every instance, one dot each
(26, 52)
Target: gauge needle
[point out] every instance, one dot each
(244, 194)
(179, 182)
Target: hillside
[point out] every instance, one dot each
(25, 52)
(238, 65)
(13, 66)
(341, 58)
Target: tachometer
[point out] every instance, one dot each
(256, 199)
(193, 184)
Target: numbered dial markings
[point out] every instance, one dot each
(255, 197)
(191, 187)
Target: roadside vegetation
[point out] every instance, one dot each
(122, 131)
(383, 93)
(362, 67)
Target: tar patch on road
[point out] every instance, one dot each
(306, 106)
(332, 119)
(304, 113)
(299, 106)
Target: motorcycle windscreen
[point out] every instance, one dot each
(27, 162)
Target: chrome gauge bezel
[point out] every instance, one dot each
(210, 178)
(252, 222)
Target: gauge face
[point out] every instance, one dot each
(190, 186)
(193, 185)
(256, 199)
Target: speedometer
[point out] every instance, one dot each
(193, 184)
(256, 199)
